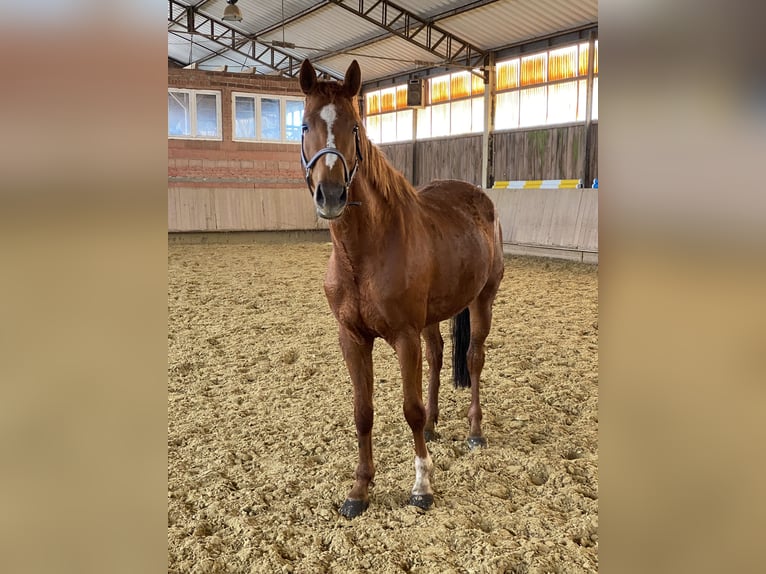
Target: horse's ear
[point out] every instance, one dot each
(308, 77)
(352, 80)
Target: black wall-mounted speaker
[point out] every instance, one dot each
(416, 94)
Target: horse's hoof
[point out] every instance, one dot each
(423, 501)
(475, 442)
(431, 435)
(353, 508)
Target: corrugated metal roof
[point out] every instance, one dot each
(376, 64)
(327, 29)
(332, 36)
(503, 23)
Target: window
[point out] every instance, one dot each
(179, 114)
(562, 63)
(293, 120)
(387, 117)
(460, 115)
(440, 119)
(439, 89)
(404, 124)
(533, 69)
(372, 126)
(507, 75)
(533, 109)
(451, 118)
(194, 114)
(455, 105)
(562, 103)
(507, 110)
(267, 118)
(545, 88)
(535, 89)
(424, 121)
(244, 118)
(271, 119)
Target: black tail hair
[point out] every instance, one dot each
(461, 338)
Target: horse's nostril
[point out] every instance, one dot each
(319, 196)
(343, 195)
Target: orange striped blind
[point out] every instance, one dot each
(401, 97)
(533, 69)
(372, 102)
(562, 63)
(460, 85)
(388, 100)
(508, 74)
(477, 84)
(440, 89)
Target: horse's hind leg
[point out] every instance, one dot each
(481, 320)
(434, 355)
(358, 356)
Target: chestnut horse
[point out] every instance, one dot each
(402, 261)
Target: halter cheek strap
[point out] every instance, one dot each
(348, 177)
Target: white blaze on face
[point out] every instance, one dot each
(423, 468)
(328, 114)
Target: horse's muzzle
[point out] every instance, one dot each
(330, 199)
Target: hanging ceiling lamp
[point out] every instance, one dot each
(231, 12)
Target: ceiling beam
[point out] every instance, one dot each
(415, 30)
(460, 9)
(235, 41)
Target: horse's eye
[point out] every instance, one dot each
(304, 128)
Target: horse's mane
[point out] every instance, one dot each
(381, 174)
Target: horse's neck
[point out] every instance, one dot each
(387, 203)
(384, 180)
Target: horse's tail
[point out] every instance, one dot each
(461, 337)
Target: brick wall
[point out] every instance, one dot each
(216, 168)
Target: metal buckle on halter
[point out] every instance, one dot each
(348, 177)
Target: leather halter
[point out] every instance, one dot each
(347, 176)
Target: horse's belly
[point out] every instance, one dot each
(458, 279)
(446, 304)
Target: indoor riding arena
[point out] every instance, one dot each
(262, 442)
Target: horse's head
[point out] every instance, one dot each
(330, 146)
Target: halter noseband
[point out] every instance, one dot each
(347, 176)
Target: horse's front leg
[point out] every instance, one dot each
(408, 351)
(357, 352)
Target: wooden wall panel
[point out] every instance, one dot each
(555, 219)
(241, 209)
(451, 158)
(190, 209)
(400, 156)
(587, 230)
(546, 153)
(448, 158)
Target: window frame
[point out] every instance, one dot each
(424, 114)
(258, 96)
(192, 93)
(577, 78)
(475, 92)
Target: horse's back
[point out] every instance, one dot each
(450, 198)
